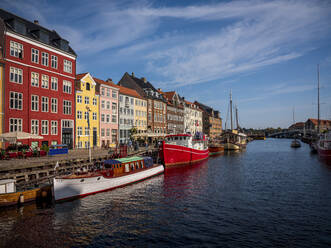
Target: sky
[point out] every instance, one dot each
(265, 52)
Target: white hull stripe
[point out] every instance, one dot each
(36, 43)
(38, 68)
(174, 149)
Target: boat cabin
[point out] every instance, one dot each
(186, 140)
(7, 186)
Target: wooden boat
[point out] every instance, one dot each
(324, 146)
(215, 149)
(259, 138)
(10, 196)
(295, 143)
(112, 174)
(184, 149)
(233, 140)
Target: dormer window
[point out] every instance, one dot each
(87, 86)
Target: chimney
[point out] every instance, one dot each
(109, 80)
(144, 79)
(132, 74)
(159, 89)
(36, 22)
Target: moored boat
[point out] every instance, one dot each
(215, 149)
(183, 149)
(295, 143)
(112, 174)
(9, 195)
(324, 146)
(233, 140)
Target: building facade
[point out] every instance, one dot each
(156, 103)
(192, 118)
(108, 109)
(2, 93)
(140, 116)
(175, 112)
(39, 74)
(127, 99)
(212, 122)
(312, 125)
(87, 112)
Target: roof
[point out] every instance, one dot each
(34, 31)
(297, 125)
(100, 81)
(130, 159)
(81, 75)
(127, 91)
(322, 122)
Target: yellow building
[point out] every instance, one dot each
(140, 115)
(87, 112)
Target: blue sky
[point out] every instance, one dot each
(266, 52)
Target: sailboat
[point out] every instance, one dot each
(295, 143)
(233, 139)
(314, 141)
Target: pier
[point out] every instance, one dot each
(42, 169)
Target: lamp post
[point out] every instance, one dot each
(89, 131)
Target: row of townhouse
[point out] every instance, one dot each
(41, 94)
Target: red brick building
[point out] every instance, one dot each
(40, 69)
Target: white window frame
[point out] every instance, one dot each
(79, 114)
(67, 107)
(86, 100)
(44, 81)
(44, 58)
(79, 99)
(54, 105)
(94, 116)
(44, 104)
(34, 127)
(16, 100)
(16, 49)
(34, 103)
(54, 127)
(34, 79)
(44, 127)
(67, 66)
(54, 83)
(79, 131)
(94, 101)
(34, 55)
(67, 86)
(15, 124)
(54, 61)
(16, 75)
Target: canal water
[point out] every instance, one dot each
(271, 195)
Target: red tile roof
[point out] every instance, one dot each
(99, 81)
(129, 92)
(81, 75)
(322, 122)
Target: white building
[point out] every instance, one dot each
(192, 118)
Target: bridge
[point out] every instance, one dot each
(293, 133)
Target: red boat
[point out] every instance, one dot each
(183, 149)
(324, 146)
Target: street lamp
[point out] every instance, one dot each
(89, 131)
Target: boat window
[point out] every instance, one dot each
(176, 138)
(132, 166)
(180, 138)
(142, 164)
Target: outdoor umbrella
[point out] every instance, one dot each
(13, 136)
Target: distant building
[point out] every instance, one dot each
(156, 103)
(175, 112)
(212, 122)
(192, 118)
(2, 93)
(39, 74)
(108, 112)
(87, 112)
(312, 124)
(297, 126)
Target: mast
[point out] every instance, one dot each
(318, 98)
(231, 109)
(237, 122)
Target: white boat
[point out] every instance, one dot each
(114, 174)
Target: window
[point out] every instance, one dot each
(114, 135)
(54, 61)
(44, 104)
(44, 81)
(108, 92)
(88, 86)
(35, 127)
(87, 144)
(114, 108)
(16, 49)
(67, 66)
(86, 115)
(114, 118)
(66, 107)
(34, 79)
(121, 98)
(102, 104)
(53, 127)
(94, 116)
(15, 125)
(79, 99)
(16, 75)
(79, 131)
(54, 83)
(102, 132)
(34, 55)
(87, 100)
(34, 103)
(54, 105)
(108, 132)
(102, 91)
(44, 127)
(87, 131)
(67, 86)
(16, 100)
(114, 94)
(44, 59)
(94, 101)
(102, 118)
(79, 114)
(108, 105)
(107, 118)
(80, 144)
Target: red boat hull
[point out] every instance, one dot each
(326, 154)
(176, 155)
